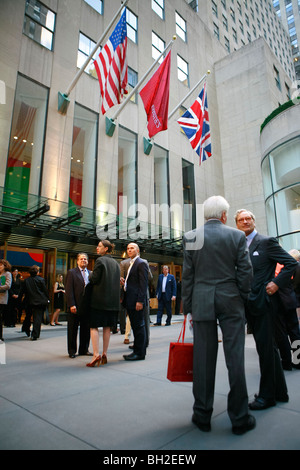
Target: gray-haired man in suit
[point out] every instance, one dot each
(216, 281)
(262, 308)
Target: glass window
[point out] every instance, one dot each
(39, 23)
(85, 48)
(182, 70)
(158, 45)
(132, 26)
(180, 26)
(96, 4)
(214, 8)
(158, 7)
(132, 82)
(127, 171)
(285, 171)
(161, 187)
(266, 175)
(277, 77)
(26, 145)
(189, 213)
(287, 207)
(83, 159)
(281, 179)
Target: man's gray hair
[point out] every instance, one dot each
(243, 210)
(214, 207)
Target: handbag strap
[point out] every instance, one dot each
(182, 332)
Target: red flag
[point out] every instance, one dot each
(155, 96)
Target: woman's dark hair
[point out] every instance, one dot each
(6, 264)
(107, 244)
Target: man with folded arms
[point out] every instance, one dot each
(262, 306)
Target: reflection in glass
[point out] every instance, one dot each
(188, 196)
(127, 169)
(39, 23)
(281, 179)
(25, 152)
(83, 159)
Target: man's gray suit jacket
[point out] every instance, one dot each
(221, 267)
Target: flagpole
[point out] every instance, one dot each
(63, 100)
(142, 79)
(190, 92)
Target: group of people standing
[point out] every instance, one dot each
(94, 298)
(229, 279)
(231, 276)
(30, 294)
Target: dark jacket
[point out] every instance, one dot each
(35, 290)
(105, 284)
(265, 253)
(74, 288)
(170, 287)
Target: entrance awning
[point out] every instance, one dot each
(27, 214)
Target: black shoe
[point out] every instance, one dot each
(157, 324)
(295, 366)
(167, 324)
(133, 357)
(72, 356)
(250, 424)
(205, 427)
(27, 332)
(261, 404)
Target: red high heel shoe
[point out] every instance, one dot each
(103, 359)
(95, 362)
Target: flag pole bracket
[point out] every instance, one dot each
(148, 144)
(63, 103)
(110, 126)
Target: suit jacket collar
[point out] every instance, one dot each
(213, 221)
(256, 240)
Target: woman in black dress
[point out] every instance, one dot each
(104, 299)
(59, 292)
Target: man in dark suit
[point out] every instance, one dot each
(165, 293)
(76, 281)
(262, 307)
(216, 280)
(36, 298)
(135, 301)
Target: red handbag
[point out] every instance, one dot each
(180, 365)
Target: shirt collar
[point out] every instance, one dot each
(251, 236)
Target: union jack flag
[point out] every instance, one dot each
(111, 66)
(195, 124)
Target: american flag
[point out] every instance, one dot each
(111, 66)
(195, 124)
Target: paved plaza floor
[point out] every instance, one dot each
(51, 402)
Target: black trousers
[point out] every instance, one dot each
(272, 380)
(286, 332)
(137, 321)
(76, 321)
(37, 313)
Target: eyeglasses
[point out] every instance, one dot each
(245, 219)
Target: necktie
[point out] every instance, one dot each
(85, 277)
